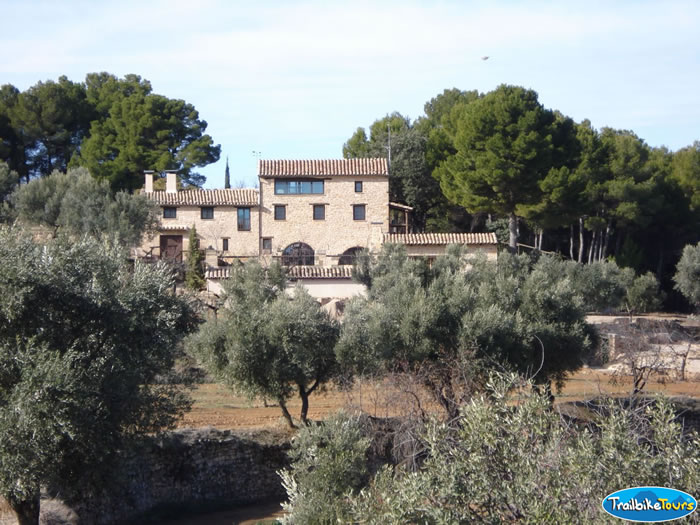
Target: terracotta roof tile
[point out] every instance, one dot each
(441, 238)
(320, 272)
(295, 272)
(230, 197)
(319, 168)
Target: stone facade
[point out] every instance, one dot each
(213, 213)
(306, 212)
(210, 232)
(432, 245)
(338, 231)
(436, 250)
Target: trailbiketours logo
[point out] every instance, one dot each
(649, 504)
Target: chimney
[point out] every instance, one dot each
(171, 181)
(211, 258)
(148, 187)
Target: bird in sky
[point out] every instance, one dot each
(485, 57)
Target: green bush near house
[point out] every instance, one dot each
(194, 274)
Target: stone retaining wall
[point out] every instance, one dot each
(183, 469)
(194, 467)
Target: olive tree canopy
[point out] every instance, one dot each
(83, 336)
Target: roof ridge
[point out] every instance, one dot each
(442, 238)
(293, 272)
(207, 197)
(319, 167)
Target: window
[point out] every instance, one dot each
(319, 212)
(224, 244)
(298, 254)
(244, 219)
(280, 212)
(349, 256)
(358, 212)
(267, 245)
(298, 187)
(358, 186)
(169, 213)
(207, 212)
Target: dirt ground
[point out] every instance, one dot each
(260, 514)
(217, 406)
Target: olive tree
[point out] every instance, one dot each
(8, 182)
(448, 325)
(516, 460)
(510, 458)
(75, 203)
(266, 343)
(687, 276)
(83, 336)
(328, 461)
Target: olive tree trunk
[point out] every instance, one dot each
(285, 412)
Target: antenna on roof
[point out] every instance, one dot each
(257, 155)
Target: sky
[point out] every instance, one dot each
(294, 80)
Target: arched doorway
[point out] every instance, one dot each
(349, 255)
(298, 254)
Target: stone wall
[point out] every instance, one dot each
(338, 231)
(211, 232)
(437, 250)
(191, 468)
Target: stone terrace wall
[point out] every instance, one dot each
(192, 467)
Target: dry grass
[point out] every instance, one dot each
(217, 406)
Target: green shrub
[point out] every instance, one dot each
(329, 462)
(194, 276)
(508, 462)
(644, 294)
(687, 276)
(601, 285)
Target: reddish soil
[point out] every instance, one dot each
(218, 407)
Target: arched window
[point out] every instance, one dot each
(298, 254)
(348, 257)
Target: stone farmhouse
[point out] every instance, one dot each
(312, 215)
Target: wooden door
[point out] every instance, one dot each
(171, 247)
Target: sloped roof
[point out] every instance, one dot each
(295, 272)
(320, 272)
(230, 197)
(319, 168)
(440, 238)
(400, 206)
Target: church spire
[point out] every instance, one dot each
(227, 176)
